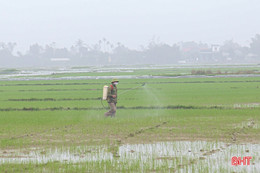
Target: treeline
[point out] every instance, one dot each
(105, 53)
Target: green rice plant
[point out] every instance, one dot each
(64, 114)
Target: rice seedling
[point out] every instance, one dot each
(167, 125)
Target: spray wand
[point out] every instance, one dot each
(123, 93)
(132, 89)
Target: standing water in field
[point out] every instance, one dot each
(180, 156)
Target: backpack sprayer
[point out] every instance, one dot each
(105, 90)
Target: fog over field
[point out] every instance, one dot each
(129, 86)
(103, 32)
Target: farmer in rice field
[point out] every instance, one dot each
(112, 98)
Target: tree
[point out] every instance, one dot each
(35, 50)
(6, 49)
(255, 45)
(49, 51)
(232, 51)
(162, 53)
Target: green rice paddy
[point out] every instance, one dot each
(58, 125)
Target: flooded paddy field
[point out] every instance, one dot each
(178, 156)
(167, 124)
(124, 71)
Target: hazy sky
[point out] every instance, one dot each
(132, 22)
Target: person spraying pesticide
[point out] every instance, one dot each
(110, 94)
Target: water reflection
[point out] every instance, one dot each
(182, 155)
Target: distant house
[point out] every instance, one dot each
(205, 50)
(215, 48)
